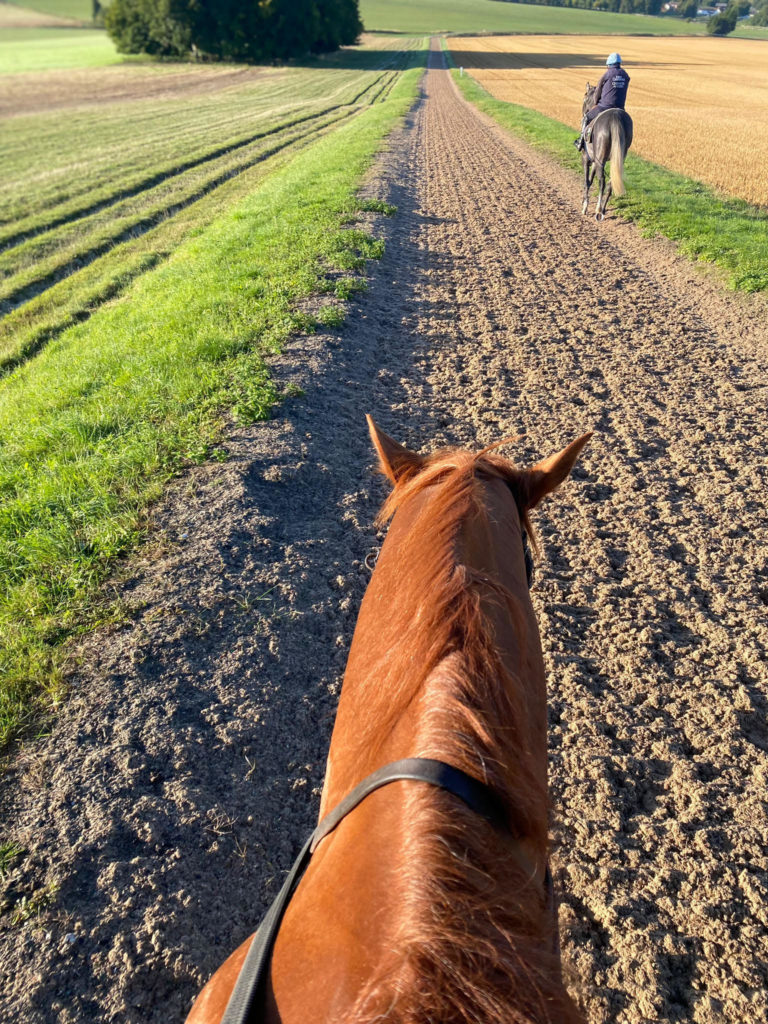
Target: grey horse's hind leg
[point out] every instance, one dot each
(599, 208)
(608, 194)
(589, 177)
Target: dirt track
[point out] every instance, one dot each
(181, 778)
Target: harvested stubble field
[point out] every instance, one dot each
(698, 104)
(13, 16)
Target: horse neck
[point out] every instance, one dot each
(450, 666)
(447, 912)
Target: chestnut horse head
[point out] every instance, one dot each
(416, 908)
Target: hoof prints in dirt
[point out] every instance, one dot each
(183, 775)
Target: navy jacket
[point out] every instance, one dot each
(612, 89)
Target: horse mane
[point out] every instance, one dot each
(469, 949)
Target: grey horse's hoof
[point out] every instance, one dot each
(584, 207)
(599, 216)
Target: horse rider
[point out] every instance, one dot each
(611, 91)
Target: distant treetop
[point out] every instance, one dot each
(237, 30)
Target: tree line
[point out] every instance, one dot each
(236, 30)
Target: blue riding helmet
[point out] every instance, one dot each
(615, 58)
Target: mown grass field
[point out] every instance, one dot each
(151, 259)
(729, 233)
(467, 16)
(38, 49)
(91, 199)
(696, 103)
(80, 10)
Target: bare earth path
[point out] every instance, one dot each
(182, 775)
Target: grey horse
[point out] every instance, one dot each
(611, 138)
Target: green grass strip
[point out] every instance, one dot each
(730, 233)
(93, 427)
(42, 49)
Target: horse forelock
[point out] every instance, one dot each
(458, 470)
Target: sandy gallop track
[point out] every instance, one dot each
(182, 776)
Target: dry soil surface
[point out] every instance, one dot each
(183, 774)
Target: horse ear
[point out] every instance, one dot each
(395, 461)
(546, 476)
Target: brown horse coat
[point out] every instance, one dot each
(414, 909)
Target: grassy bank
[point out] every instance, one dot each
(727, 232)
(95, 424)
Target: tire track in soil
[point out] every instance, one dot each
(183, 774)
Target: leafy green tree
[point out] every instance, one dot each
(247, 30)
(127, 23)
(339, 24)
(722, 24)
(688, 9)
(290, 27)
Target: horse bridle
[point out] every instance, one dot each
(478, 796)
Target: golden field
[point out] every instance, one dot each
(700, 105)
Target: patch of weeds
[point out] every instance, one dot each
(346, 287)
(331, 316)
(30, 906)
(351, 249)
(8, 854)
(378, 206)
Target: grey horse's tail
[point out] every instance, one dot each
(617, 157)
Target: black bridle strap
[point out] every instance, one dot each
(477, 795)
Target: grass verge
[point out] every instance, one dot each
(92, 427)
(730, 233)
